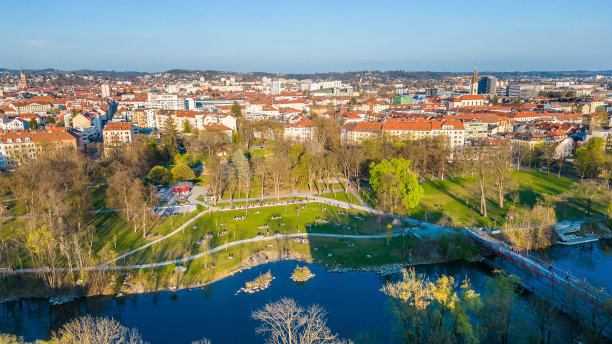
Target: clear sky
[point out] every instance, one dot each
(308, 35)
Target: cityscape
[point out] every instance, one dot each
(226, 187)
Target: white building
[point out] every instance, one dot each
(105, 91)
(276, 87)
(165, 101)
(301, 131)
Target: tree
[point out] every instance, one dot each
(395, 182)
(216, 176)
(43, 248)
(61, 123)
(499, 303)
(202, 341)
(186, 127)
(159, 175)
(484, 171)
(591, 191)
(49, 119)
(261, 172)
(33, 124)
(169, 137)
(278, 165)
(501, 163)
(494, 100)
(127, 194)
(236, 109)
(326, 132)
(242, 171)
(182, 172)
(590, 159)
(92, 330)
(433, 312)
(286, 322)
(209, 141)
(10, 339)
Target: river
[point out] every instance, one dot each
(353, 301)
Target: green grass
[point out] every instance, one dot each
(259, 152)
(341, 196)
(451, 195)
(183, 244)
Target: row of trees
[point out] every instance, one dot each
(57, 193)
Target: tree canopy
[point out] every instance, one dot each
(182, 172)
(159, 175)
(236, 110)
(395, 182)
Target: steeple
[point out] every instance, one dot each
(474, 84)
(23, 83)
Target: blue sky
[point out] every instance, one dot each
(307, 36)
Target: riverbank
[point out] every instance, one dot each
(133, 283)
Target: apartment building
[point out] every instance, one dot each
(165, 101)
(118, 133)
(357, 132)
(301, 131)
(19, 146)
(420, 129)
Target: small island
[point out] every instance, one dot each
(262, 282)
(302, 274)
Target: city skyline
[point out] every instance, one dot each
(316, 37)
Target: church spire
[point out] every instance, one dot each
(474, 85)
(23, 83)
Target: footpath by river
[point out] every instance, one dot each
(353, 299)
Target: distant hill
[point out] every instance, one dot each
(380, 75)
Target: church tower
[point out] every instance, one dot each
(23, 83)
(474, 84)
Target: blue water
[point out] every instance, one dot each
(353, 301)
(594, 261)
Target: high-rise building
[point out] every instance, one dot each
(276, 87)
(487, 85)
(105, 91)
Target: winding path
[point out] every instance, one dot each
(213, 250)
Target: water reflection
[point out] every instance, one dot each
(357, 308)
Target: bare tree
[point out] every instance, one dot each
(202, 341)
(286, 322)
(591, 191)
(217, 176)
(92, 330)
(500, 164)
(279, 169)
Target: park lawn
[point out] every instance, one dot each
(341, 196)
(97, 197)
(267, 201)
(184, 243)
(259, 152)
(449, 196)
(199, 271)
(112, 226)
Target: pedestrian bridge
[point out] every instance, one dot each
(590, 291)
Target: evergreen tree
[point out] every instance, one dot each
(236, 110)
(33, 124)
(169, 138)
